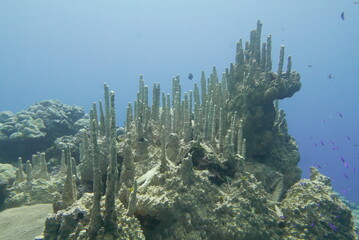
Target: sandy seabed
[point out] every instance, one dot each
(23, 223)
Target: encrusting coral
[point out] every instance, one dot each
(212, 163)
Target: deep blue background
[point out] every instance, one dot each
(66, 49)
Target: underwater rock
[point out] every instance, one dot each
(35, 185)
(38, 191)
(172, 147)
(7, 177)
(72, 223)
(26, 132)
(355, 211)
(311, 210)
(203, 210)
(61, 143)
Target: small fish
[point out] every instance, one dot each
(330, 76)
(355, 145)
(345, 175)
(331, 225)
(316, 145)
(310, 65)
(313, 224)
(348, 138)
(354, 170)
(355, 2)
(321, 142)
(340, 114)
(335, 147)
(346, 165)
(317, 166)
(342, 159)
(190, 76)
(342, 16)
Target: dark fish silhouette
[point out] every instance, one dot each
(190, 76)
(330, 76)
(342, 16)
(310, 65)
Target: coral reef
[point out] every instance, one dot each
(355, 212)
(34, 185)
(7, 178)
(27, 132)
(303, 202)
(213, 163)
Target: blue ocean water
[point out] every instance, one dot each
(66, 50)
